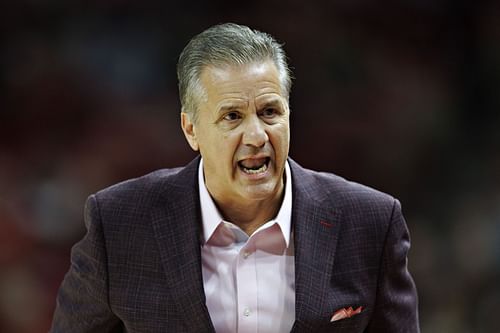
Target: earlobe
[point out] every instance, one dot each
(189, 130)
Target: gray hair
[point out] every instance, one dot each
(225, 44)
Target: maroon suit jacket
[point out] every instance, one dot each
(138, 268)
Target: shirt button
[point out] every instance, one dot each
(246, 254)
(246, 312)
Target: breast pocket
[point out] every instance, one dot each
(354, 324)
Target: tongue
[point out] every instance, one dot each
(253, 163)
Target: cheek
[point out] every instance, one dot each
(227, 146)
(280, 140)
(233, 138)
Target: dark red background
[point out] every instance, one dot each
(400, 95)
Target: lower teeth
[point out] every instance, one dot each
(255, 171)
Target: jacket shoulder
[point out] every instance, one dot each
(131, 202)
(329, 188)
(152, 185)
(149, 183)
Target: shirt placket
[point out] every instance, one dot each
(246, 282)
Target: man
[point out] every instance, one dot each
(242, 239)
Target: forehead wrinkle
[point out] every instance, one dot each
(239, 87)
(271, 95)
(233, 103)
(237, 94)
(269, 98)
(230, 97)
(268, 87)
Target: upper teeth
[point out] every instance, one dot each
(254, 171)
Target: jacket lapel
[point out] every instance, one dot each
(316, 225)
(176, 222)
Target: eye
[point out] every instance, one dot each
(269, 112)
(231, 116)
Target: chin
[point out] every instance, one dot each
(260, 192)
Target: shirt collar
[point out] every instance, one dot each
(211, 217)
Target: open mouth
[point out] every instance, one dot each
(254, 166)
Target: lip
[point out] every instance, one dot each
(253, 157)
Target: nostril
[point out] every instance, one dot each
(255, 138)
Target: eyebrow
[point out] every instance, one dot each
(271, 103)
(230, 107)
(233, 106)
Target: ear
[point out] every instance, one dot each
(189, 131)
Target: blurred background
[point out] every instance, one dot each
(403, 96)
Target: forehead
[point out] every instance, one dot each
(249, 79)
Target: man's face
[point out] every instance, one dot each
(242, 132)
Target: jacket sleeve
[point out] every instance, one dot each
(396, 306)
(82, 301)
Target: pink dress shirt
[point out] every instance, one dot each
(249, 282)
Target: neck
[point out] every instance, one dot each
(250, 216)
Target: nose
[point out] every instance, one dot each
(254, 133)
